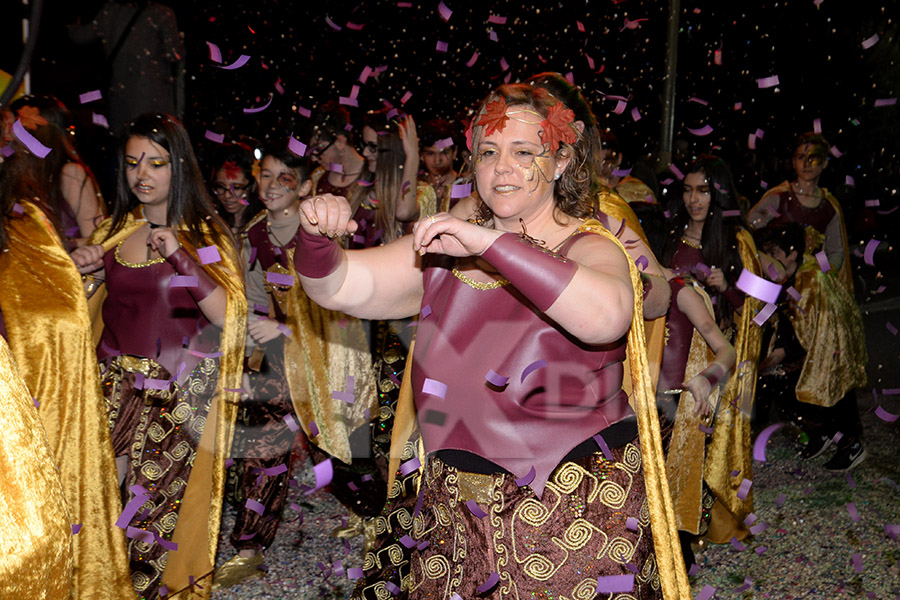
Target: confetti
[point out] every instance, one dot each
(471, 61)
(496, 379)
(885, 102)
(31, 142)
(615, 584)
(441, 46)
(869, 42)
(461, 190)
(744, 489)
(475, 509)
(767, 82)
(538, 364)
(759, 288)
(208, 255)
(434, 388)
(759, 447)
(854, 514)
(527, 479)
(705, 130)
(324, 472)
(763, 315)
(255, 506)
(279, 279)
(290, 422)
(410, 466)
(242, 60)
(90, 97)
(706, 593)
(444, 11)
(604, 447)
(822, 259)
(76, 528)
(490, 583)
(869, 253)
(214, 137)
(885, 415)
(248, 111)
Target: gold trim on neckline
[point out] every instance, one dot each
(131, 265)
(478, 285)
(693, 245)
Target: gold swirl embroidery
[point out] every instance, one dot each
(578, 534)
(612, 494)
(621, 550)
(533, 512)
(568, 477)
(167, 523)
(435, 566)
(180, 451)
(180, 414)
(152, 471)
(587, 590)
(539, 567)
(631, 458)
(395, 554)
(369, 561)
(140, 581)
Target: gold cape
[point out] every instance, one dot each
(633, 189)
(667, 546)
(827, 322)
(197, 530)
(49, 334)
(325, 347)
(35, 529)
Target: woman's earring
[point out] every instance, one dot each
(557, 176)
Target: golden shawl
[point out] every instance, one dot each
(633, 189)
(325, 347)
(35, 529)
(197, 530)
(667, 546)
(827, 322)
(49, 333)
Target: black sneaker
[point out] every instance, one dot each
(846, 458)
(816, 445)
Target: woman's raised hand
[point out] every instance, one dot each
(446, 234)
(164, 241)
(327, 215)
(409, 136)
(88, 258)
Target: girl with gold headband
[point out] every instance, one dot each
(516, 369)
(44, 317)
(174, 321)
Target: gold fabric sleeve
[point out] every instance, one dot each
(325, 347)
(35, 529)
(632, 189)
(426, 198)
(729, 448)
(49, 333)
(197, 530)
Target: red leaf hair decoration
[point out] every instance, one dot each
(31, 118)
(557, 127)
(494, 117)
(232, 170)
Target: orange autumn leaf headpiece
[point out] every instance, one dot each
(31, 118)
(494, 117)
(557, 127)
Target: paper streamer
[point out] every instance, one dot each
(885, 415)
(759, 288)
(706, 593)
(256, 109)
(475, 509)
(214, 137)
(255, 506)
(324, 472)
(538, 364)
(291, 423)
(132, 507)
(215, 54)
(461, 190)
(737, 545)
(615, 584)
(759, 446)
(604, 447)
(490, 583)
(869, 254)
(31, 142)
(767, 82)
(705, 130)
(496, 379)
(527, 479)
(744, 489)
(410, 466)
(281, 279)
(426, 310)
(90, 96)
(354, 573)
(434, 388)
(444, 11)
(296, 146)
(763, 315)
(240, 62)
(208, 255)
(631, 524)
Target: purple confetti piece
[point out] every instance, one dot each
(256, 109)
(276, 470)
(892, 531)
(873, 203)
(215, 54)
(229, 462)
(890, 391)
(472, 60)
(444, 143)
(410, 466)
(885, 415)
(444, 11)
(208, 255)
(635, 114)
(132, 507)
(291, 423)
(98, 119)
(869, 42)
(748, 583)
(765, 312)
(496, 20)
(604, 447)
(240, 62)
(426, 310)
(759, 288)
(857, 562)
(461, 190)
(621, 172)
(631, 524)
(615, 584)
(423, 545)
(408, 541)
(869, 254)
(737, 545)
(139, 534)
(705, 130)
(76, 528)
(837, 437)
(642, 262)
(167, 544)
(36, 403)
(354, 573)
(304, 112)
(705, 429)
(313, 429)
(854, 514)
(281, 279)
(695, 568)
(324, 472)
(767, 82)
(490, 583)
(706, 593)
(761, 550)
(759, 528)
(503, 64)
(475, 509)
(744, 489)
(676, 172)
(255, 506)
(538, 364)
(793, 293)
(885, 102)
(392, 588)
(434, 388)
(698, 101)
(214, 137)
(850, 483)
(621, 105)
(354, 26)
(441, 46)
(90, 96)
(496, 379)
(759, 446)
(348, 101)
(527, 479)
(207, 355)
(7, 151)
(835, 152)
(31, 142)
(156, 384)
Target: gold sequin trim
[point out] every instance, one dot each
(688, 242)
(477, 284)
(131, 265)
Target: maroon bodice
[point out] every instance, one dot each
(791, 211)
(560, 391)
(368, 235)
(678, 342)
(144, 316)
(268, 254)
(686, 259)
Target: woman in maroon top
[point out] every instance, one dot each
(516, 368)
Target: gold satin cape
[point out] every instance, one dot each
(691, 461)
(49, 334)
(197, 530)
(325, 347)
(667, 546)
(35, 530)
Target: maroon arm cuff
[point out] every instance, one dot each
(538, 274)
(187, 266)
(316, 256)
(735, 297)
(715, 374)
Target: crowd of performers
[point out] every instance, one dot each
(515, 385)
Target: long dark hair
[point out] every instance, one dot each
(719, 238)
(242, 156)
(46, 173)
(189, 202)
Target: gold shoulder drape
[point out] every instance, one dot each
(198, 521)
(324, 348)
(729, 448)
(672, 574)
(49, 334)
(35, 529)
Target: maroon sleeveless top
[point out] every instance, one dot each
(143, 316)
(560, 391)
(268, 254)
(791, 211)
(680, 330)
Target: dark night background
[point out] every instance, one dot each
(815, 49)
